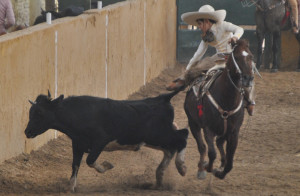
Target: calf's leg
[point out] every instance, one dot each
(94, 154)
(77, 157)
(179, 162)
(162, 166)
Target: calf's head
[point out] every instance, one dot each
(41, 115)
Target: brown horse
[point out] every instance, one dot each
(220, 112)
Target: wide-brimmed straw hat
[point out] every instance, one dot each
(204, 12)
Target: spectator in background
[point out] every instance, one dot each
(7, 17)
(294, 9)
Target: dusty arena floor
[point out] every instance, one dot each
(267, 161)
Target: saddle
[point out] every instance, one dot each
(202, 84)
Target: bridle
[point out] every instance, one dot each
(238, 70)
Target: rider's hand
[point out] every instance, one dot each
(233, 40)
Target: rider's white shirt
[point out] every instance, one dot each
(222, 31)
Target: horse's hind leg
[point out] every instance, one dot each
(231, 145)
(220, 144)
(209, 137)
(196, 131)
(268, 52)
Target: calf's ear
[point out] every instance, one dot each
(58, 99)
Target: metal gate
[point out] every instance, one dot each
(188, 37)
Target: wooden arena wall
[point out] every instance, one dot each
(110, 52)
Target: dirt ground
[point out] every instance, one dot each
(267, 161)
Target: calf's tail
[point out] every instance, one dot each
(167, 97)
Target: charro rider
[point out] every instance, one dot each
(217, 33)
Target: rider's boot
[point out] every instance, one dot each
(250, 108)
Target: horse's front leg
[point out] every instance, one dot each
(260, 37)
(276, 51)
(196, 131)
(220, 144)
(268, 52)
(232, 141)
(209, 137)
(298, 39)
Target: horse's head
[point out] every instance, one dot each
(240, 63)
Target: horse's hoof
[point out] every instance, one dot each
(205, 165)
(219, 174)
(201, 175)
(274, 70)
(158, 186)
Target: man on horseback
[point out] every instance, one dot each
(217, 33)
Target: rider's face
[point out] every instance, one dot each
(204, 25)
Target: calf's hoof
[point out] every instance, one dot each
(201, 175)
(72, 185)
(181, 169)
(107, 165)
